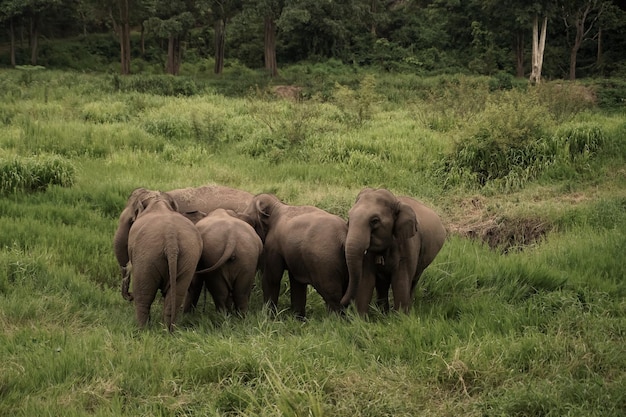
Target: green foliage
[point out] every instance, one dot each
(507, 143)
(514, 141)
(19, 174)
(165, 85)
(610, 93)
(357, 105)
(535, 330)
(565, 99)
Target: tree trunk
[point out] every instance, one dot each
(12, 37)
(373, 10)
(519, 54)
(143, 40)
(572, 60)
(270, 46)
(599, 55)
(220, 30)
(124, 33)
(34, 40)
(173, 55)
(539, 44)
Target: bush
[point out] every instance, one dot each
(164, 85)
(507, 143)
(35, 174)
(356, 105)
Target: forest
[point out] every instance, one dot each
(553, 39)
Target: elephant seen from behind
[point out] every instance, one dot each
(190, 201)
(306, 241)
(164, 248)
(390, 241)
(231, 253)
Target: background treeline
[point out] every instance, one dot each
(583, 38)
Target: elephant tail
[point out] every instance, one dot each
(172, 262)
(126, 271)
(228, 254)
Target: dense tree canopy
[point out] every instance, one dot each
(556, 38)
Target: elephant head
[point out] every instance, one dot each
(138, 198)
(137, 202)
(259, 212)
(375, 221)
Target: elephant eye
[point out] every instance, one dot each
(374, 222)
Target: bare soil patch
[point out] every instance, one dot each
(500, 232)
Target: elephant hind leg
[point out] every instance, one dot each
(241, 293)
(193, 294)
(220, 292)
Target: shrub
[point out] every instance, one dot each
(580, 140)
(35, 174)
(563, 99)
(356, 105)
(507, 144)
(165, 85)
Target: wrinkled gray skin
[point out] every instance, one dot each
(231, 255)
(390, 241)
(191, 201)
(304, 240)
(164, 248)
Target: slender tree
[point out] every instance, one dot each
(538, 47)
(9, 12)
(581, 16)
(270, 10)
(222, 11)
(171, 20)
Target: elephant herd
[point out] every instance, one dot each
(217, 237)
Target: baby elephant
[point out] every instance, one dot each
(164, 249)
(232, 250)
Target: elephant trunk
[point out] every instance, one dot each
(357, 243)
(120, 245)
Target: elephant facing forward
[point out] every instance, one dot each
(189, 201)
(164, 249)
(231, 253)
(306, 241)
(390, 241)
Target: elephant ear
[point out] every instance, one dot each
(264, 207)
(405, 225)
(363, 191)
(170, 201)
(138, 207)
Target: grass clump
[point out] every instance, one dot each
(18, 174)
(514, 141)
(521, 313)
(164, 85)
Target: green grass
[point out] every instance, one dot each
(511, 319)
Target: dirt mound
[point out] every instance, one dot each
(288, 92)
(506, 234)
(501, 233)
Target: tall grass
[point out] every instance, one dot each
(538, 330)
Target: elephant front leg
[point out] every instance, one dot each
(401, 287)
(382, 293)
(365, 292)
(298, 297)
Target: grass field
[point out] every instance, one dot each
(523, 312)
